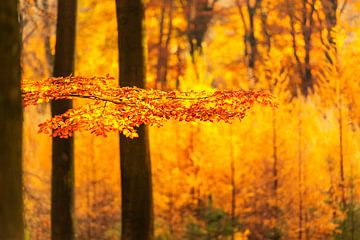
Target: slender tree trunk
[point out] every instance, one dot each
(251, 35)
(136, 183)
(330, 9)
(167, 45)
(265, 28)
(275, 156)
(307, 25)
(341, 150)
(233, 186)
(88, 205)
(300, 175)
(160, 61)
(291, 14)
(62, 192)
(163, 49)
(47, 28)
(275, 170)
(11, 202)
(91, 191)
(250, 41)
(171, 209)
(307, 229)
(352, 204)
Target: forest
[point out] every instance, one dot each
(180, 119)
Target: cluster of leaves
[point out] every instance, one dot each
(124, 109)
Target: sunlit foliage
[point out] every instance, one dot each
(191, 162)
(123, 109)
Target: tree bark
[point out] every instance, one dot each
(47, 41)
(300, 175)
(330, 8)
(62, 192)
(159, 66)
(307, 23)
(307, 83)
(11, 203)
(250, 41)
(163, 49)
(198, 15)
(233, 186)
(136, 183)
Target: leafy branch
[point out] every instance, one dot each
(129, 107)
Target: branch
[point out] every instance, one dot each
(127, 108)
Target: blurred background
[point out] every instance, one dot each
(287, 173)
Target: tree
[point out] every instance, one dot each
(11, 205)
(62, 191)
(307, 10)
(163, 48)
(330, 8)
(136, 186)
(250, 41)
(198, 15)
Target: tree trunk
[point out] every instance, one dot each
(292, 17)
(160, 62)
(11, 204)
(62, 192)
(250, 42)
(233, 186)
(330, 8)
(166, 48)
(300, 174)
(265, 27)
(341, 149)
(307, 25)
(163, 52)
(136, 184)
(198, 15)
(251, 35)
(47, 41)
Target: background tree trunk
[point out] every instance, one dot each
(11, 204)
(136, 184)
(47, 38)
(62, 193)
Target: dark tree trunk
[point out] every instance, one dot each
(265, 27)
(307, 28)
(62, 193)
(167, 45)
(307, 24)
(233, 186)
(250, 42)
(163, 49)
(292, 17)
(330, 8)
(47, 41)
(160, 62)
(251, 34)
(136, 184)
(198, 14)
(11, 204)
(300, 177)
